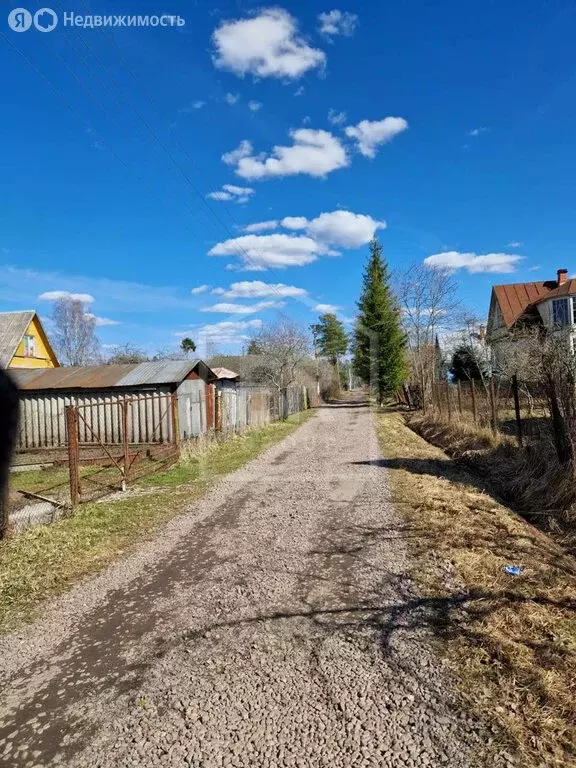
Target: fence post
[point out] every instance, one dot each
(459, 387)
(517, 409)
(218, 410)
(72, 438)
(447, 386)
(493, 407)
(175, 421)
(126, 459)
(474, 408)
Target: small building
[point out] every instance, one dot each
(97, 390)
(24, 343)
(225, 378)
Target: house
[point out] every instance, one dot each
(549, 305)
(44, 395)
(24, 343)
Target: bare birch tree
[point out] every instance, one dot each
(429, 304)
(74, 333)
(284, 346)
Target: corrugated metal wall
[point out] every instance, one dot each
(43, 421)
(192, 408)
(43, 417)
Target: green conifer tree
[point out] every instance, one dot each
(379, 346)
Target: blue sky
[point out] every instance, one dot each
(447, 128)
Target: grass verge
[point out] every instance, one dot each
(510, 640)
(45, 560)
(529, 479)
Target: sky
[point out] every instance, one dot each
(195, 180)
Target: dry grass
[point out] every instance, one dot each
(530, 479)
(47, 560)
(511, 641)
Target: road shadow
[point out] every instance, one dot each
(442, 468)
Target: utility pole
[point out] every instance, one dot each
(314, 329)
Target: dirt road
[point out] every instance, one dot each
(272, 625)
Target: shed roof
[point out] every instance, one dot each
(225, 373)
(106, 376)
(13, 326)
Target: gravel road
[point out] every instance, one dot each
(271, 625)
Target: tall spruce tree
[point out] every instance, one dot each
(379, 341)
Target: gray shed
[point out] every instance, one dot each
(45, 393)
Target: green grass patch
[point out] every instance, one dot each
(46, 560)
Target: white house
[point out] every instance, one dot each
(548, 304)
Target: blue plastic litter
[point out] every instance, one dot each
(513, 570)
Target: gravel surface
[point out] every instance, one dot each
(271, 625)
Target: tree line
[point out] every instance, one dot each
(394, 339)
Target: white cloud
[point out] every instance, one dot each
(243, 309)
(477, 131)
(228, 331)
(259, 252)
(294, 222)
(340, 228)
(326, 308)
(337, 23)
(535, 268)
(315, 153)
(474, 263)
(244, 149)
(86, 298)
(257, 289)
(369, 134)
(515, 244)
(231, 98)
(192, 106)
(28, 284)
(101, 320)
(344, 228)
(337, 118)
(230, 192)
(306, 120)
(239, 191)
(254, 106)
(260, 226)
(299, 91)
(199, 289)
(220, 196)
(266, 45)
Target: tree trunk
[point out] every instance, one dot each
(562, 441)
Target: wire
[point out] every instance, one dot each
(153, 133)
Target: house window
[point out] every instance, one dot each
(29, 346)
(560, 312)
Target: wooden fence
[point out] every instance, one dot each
(503, 405)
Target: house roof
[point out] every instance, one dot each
(13, 326)
(105, 376)
(515, 298)
(225, 373)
